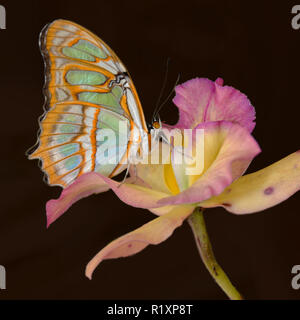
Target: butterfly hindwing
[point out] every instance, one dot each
(70, 140)
(83, 98)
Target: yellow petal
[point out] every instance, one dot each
(262, 189)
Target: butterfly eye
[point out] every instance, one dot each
(149, 126)
(156, 125)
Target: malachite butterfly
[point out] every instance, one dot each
(87, 90)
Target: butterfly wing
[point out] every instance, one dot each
(83, 97)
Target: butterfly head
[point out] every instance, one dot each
(156, 130)
(155, 125)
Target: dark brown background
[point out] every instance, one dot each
(253, 47)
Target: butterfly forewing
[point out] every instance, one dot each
(83, 98)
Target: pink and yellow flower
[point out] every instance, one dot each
(227, 117)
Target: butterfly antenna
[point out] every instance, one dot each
(168, 97)
(162, 89)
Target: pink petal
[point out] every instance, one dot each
(202, 100)
(90, 183)
(262, 189)
(135, 195)
(84, 186)
(153, 232)
(232, 148)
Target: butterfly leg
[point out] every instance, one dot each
(133, 174)
(126, 175)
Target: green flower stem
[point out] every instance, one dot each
(197, 223)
